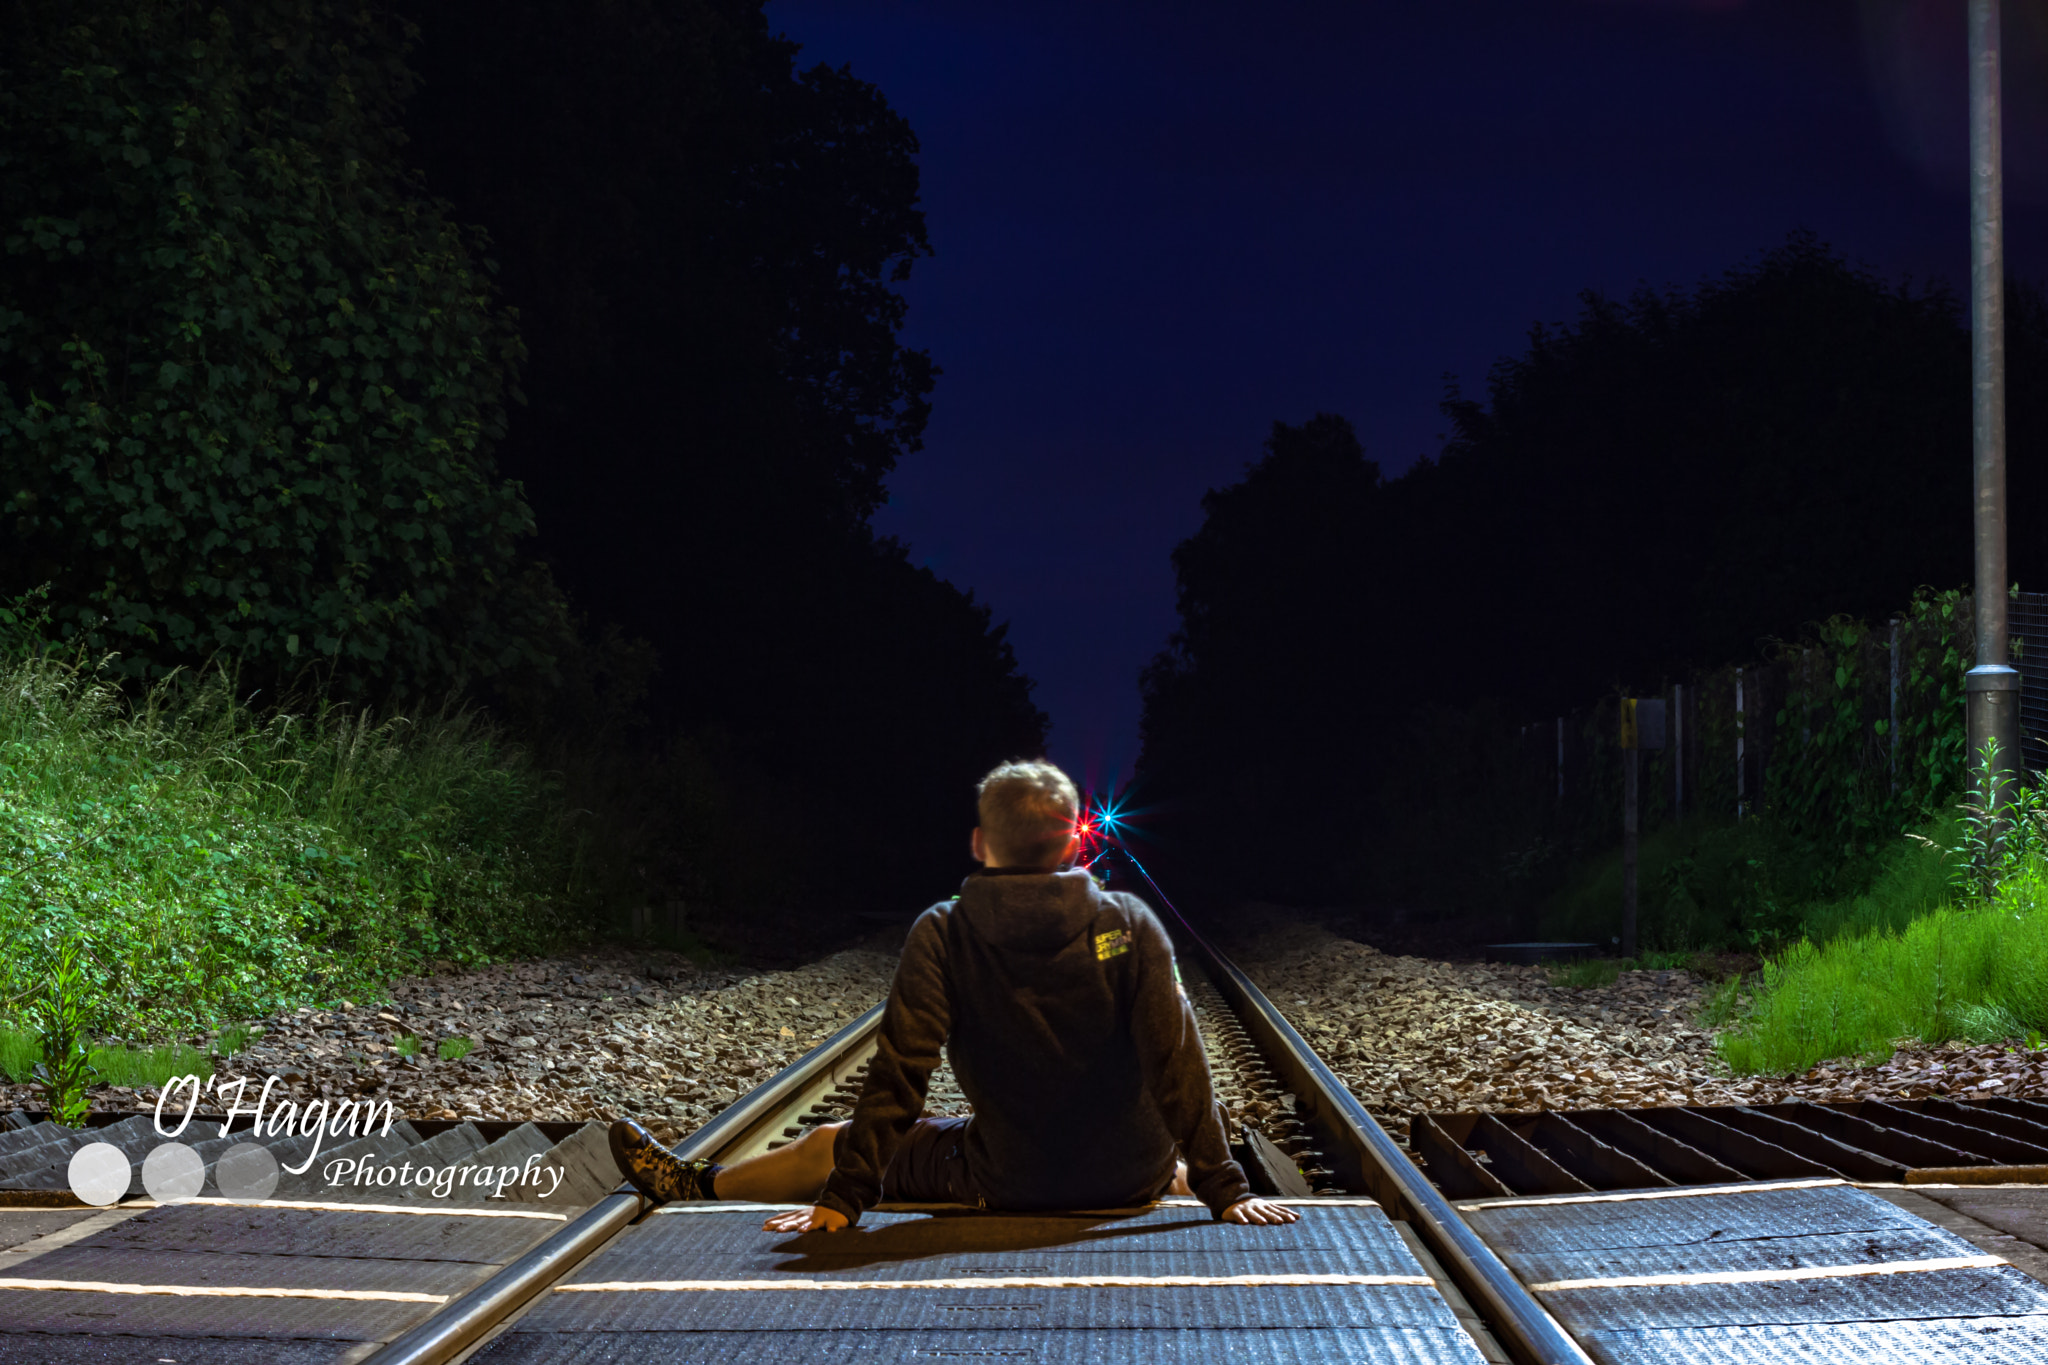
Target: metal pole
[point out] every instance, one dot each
(1993, 685)
(1895, 706)
(1631, 751)
(1739, 793)
(1677, 751)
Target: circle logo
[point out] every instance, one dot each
(246, 1172)
(99, 1173)
(172, 1171)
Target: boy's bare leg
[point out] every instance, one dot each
(1180, 1181)
(794, 1173)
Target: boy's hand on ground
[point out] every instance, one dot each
(1260, 1211)
(806, 1220)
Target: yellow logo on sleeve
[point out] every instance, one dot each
(1111, 944)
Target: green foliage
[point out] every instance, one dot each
(60, 1015)
(1708, 884)
(233, 1039)
(454, 1049)
(149, 1066)
(20, 1050)
(1831, 779)
(1588, 972)
(250, 377)
(407, 1046)
(1723, 1003)
(1978, 973)
(210, 861)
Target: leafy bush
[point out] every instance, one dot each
(250, 375)
(212, 862)
(1757, 884)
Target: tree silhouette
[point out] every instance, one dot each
(1660, 485)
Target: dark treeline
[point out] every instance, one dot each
(703, 238)
(539, 352)
(1661, 485)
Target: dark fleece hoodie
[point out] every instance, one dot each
(1060, 1010)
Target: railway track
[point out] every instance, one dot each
(1615, 1263)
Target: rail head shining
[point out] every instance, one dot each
(1523, 1326)
(464, 1320)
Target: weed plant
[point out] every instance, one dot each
(454, 1049)
(115, 1064)
(206, 860)
(1587, 973)
(1976, 973)
(1605, 971)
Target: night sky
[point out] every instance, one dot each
(1161, 227)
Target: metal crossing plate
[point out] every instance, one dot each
(237, 1282)
(1831, 1272)
(1381, 1346)
(1160, 1286)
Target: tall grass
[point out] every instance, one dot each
(21, 1049)
(1978, 973)
(214, 861)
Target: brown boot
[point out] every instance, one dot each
(657, 1172)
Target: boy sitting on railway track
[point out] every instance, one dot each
(1058, 1005)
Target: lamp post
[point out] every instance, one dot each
(1993, 686)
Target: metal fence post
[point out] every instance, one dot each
(1677, 752)
(1895, 706)
(1630, 825)
(1739, 786)
(1993, 686)
(1560, 760)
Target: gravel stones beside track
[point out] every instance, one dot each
(650, 1036)
(1409, 1035)
(602, 1035)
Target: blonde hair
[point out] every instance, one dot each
(1028, 812)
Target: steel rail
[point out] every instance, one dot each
(1354, 1139)
(1367, 1158)
(465, 1320)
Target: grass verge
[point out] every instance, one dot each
(1976, 974)
(210, 861)
(114, 1064)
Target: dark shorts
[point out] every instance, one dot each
(931, 1166)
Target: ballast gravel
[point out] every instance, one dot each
(1409, 1035)
(616, 1033)
(605, 1035)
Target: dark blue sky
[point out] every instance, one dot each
(1161, 227)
